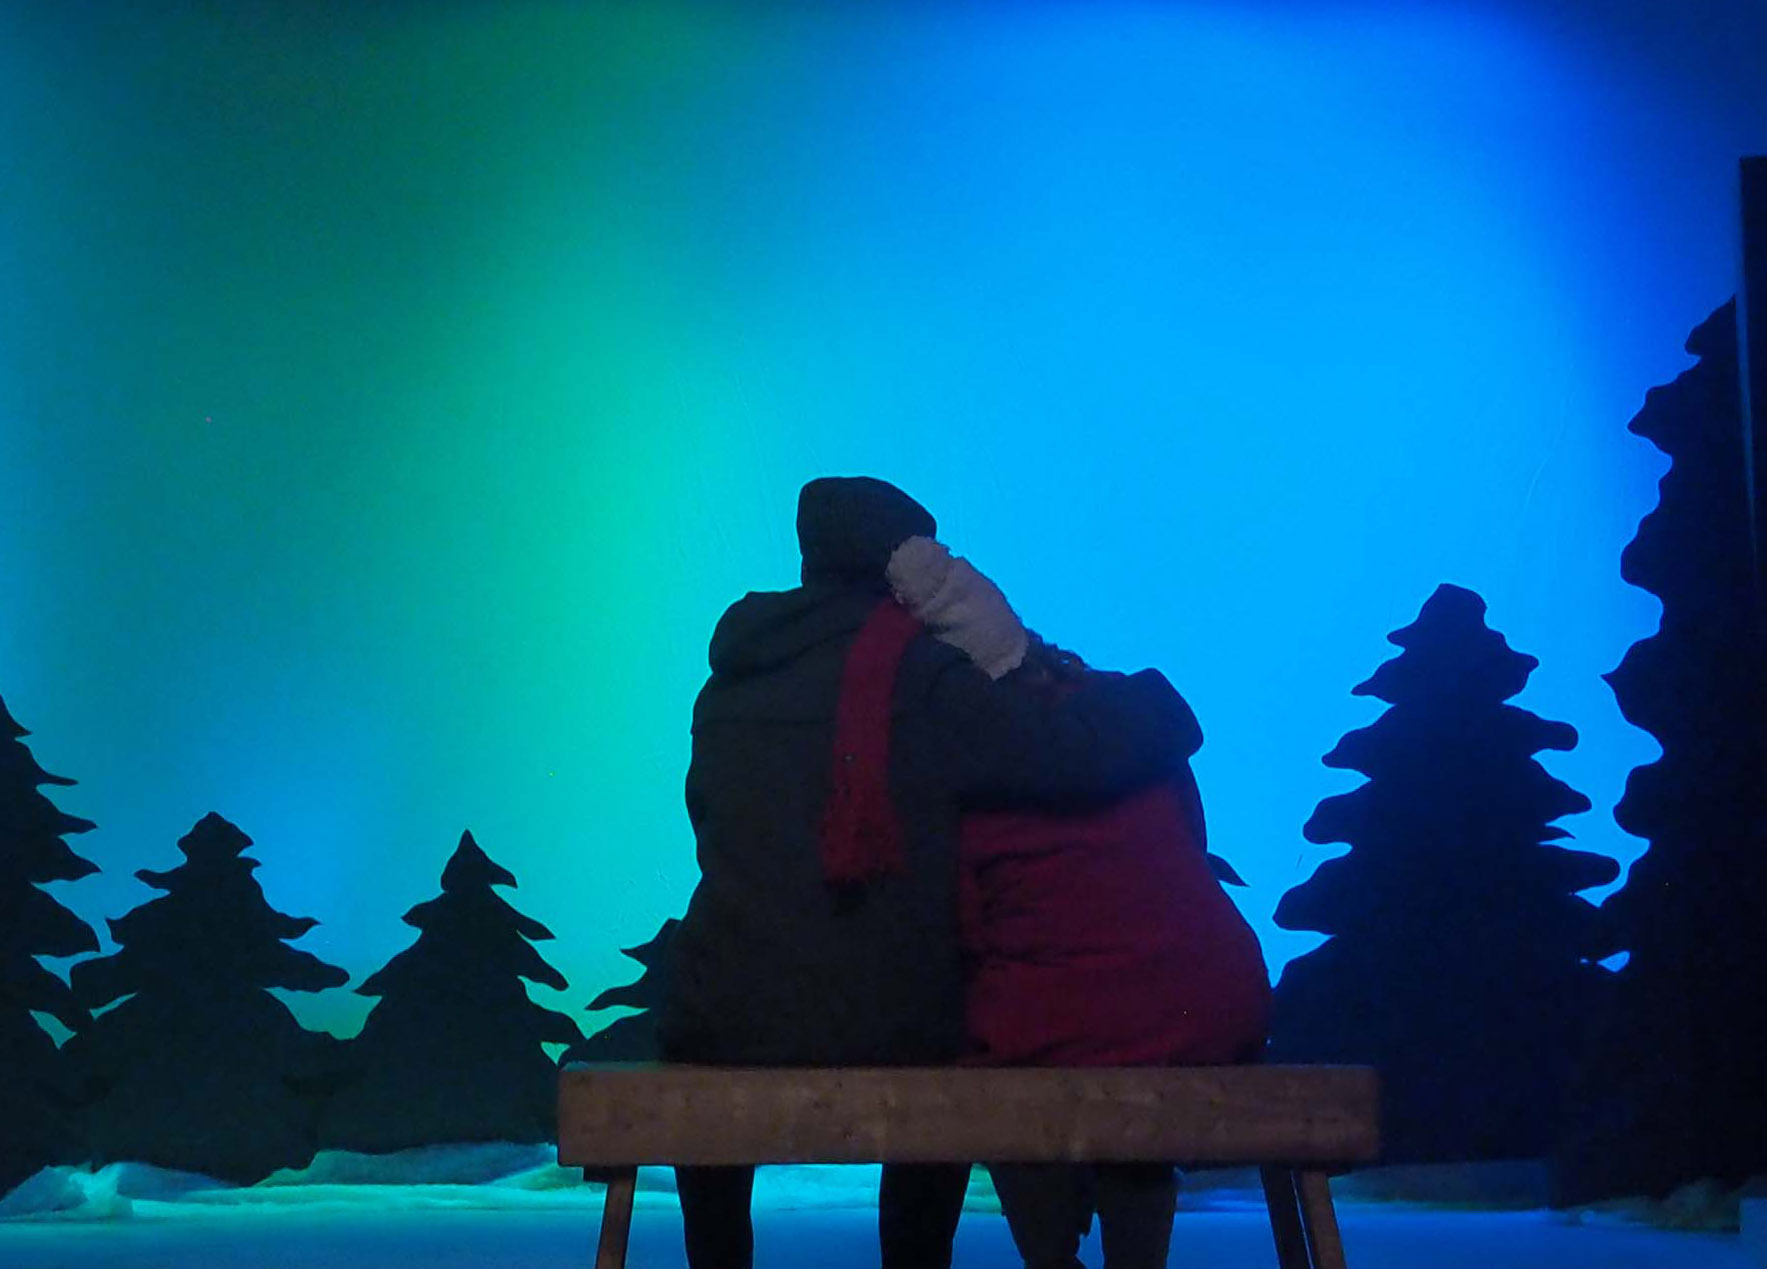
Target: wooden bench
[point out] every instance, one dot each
(1295, 1123)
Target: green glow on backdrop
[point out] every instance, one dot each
(393, 396)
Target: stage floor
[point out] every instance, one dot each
(438, 1231)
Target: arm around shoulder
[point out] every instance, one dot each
(1112, 734)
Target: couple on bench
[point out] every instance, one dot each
(926, 836)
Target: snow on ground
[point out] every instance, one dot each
(483, 1207)
(547, 1237)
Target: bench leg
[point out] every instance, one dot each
(1321, 1221)
(616, 1219)
(1281, 1198)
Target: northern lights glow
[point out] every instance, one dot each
(391, 397)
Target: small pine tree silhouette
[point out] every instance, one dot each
(32, 924)
(452, 1051)
(1673, 1089)
(632, 1038)
(200, 1067)
(1458, 962)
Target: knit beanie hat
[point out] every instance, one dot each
(849, 525)
(959, 605)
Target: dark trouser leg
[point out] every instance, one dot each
(1135, 1206)
(1047, 1207)
(715, 1216)
(918, 1205)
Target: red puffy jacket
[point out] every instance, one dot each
(1103, 939)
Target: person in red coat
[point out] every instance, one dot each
(1094, 936)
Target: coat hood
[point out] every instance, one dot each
(767, 629)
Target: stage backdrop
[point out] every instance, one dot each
(392, 396)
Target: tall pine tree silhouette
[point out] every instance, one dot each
(33, 1128)
(452, 1052)
(632, 1038)
(1458, 962)
(1676, 1087)
(200, 1068)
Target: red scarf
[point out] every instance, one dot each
(861, 838)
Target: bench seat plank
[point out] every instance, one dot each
(1200, 1116)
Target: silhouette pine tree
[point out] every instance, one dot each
(1458, 962)
(199, 1068)
(632, 1038)
(452, 1051)
(1674, 1089)
(32, 924)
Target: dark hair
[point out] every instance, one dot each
(1050, 665)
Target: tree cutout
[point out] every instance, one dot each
(1223, 871)
(199, 1067)
(632, 1038)
(452, 1051)
(1674, 1089)
(1219, 868)
(33, 924)
(1458, 962)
